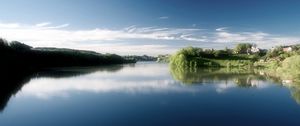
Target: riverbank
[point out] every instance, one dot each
(276, 62)
(197, 57)
(242, 56)
(19, 55)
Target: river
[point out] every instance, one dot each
(147, 94)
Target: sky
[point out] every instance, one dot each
(151, 27)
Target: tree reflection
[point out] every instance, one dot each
(296, 95)
(244, 78)
(289, 79)
(295, 91)
(11, 82)
(13, 79)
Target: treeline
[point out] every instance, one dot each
(280, 56)
(283, 52)
(281, 59)
(240, 56)
(141, 58)
(21, 55)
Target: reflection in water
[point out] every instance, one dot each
(13, 79)
(295, 90)
(134, 94)
(11, 82)
(244, 78)
(140, 78)
(146, 78)
(289, 79)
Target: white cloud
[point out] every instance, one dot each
(190, 37)
(43, 24)
(59, 26)
(221, 29)
(124, 49)
(164, 17)
(9, 25)
(262, 39)
(44, 34)
(112, 40)
(106, 82)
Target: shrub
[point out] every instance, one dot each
(291, 63)
(242, 48)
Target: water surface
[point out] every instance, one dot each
(148, 94)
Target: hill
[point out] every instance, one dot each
(18, 54)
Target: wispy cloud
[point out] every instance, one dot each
(43, 24)
(45, 33)
(9, 25)
(262, 39)
(221, 29)
(164, 17)
(121, 40)
(105, 82)
(58, 26)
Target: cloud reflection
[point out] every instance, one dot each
(143, 78)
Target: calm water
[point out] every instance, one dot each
(148, 94)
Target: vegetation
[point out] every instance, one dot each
(244, 55)
(282, 52)
(141, 58)
(282, 59)
(281, 65)
(249, 78)
(287, 69)
(204, 75)
(163, 58)
(242, 48)
(198, 57)
(282, 62)
(20, 55)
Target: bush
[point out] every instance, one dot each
(290, 69)
(196, 57)
(242, 48)
(292, 63)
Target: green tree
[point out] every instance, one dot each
(19, 46)
(242, 48)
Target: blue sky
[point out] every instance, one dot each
(150, 26)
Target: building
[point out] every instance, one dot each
(253, 50)
(287, 49)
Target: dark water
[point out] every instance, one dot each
(148, 94)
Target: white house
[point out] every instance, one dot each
(254, 49)
(287, 49)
